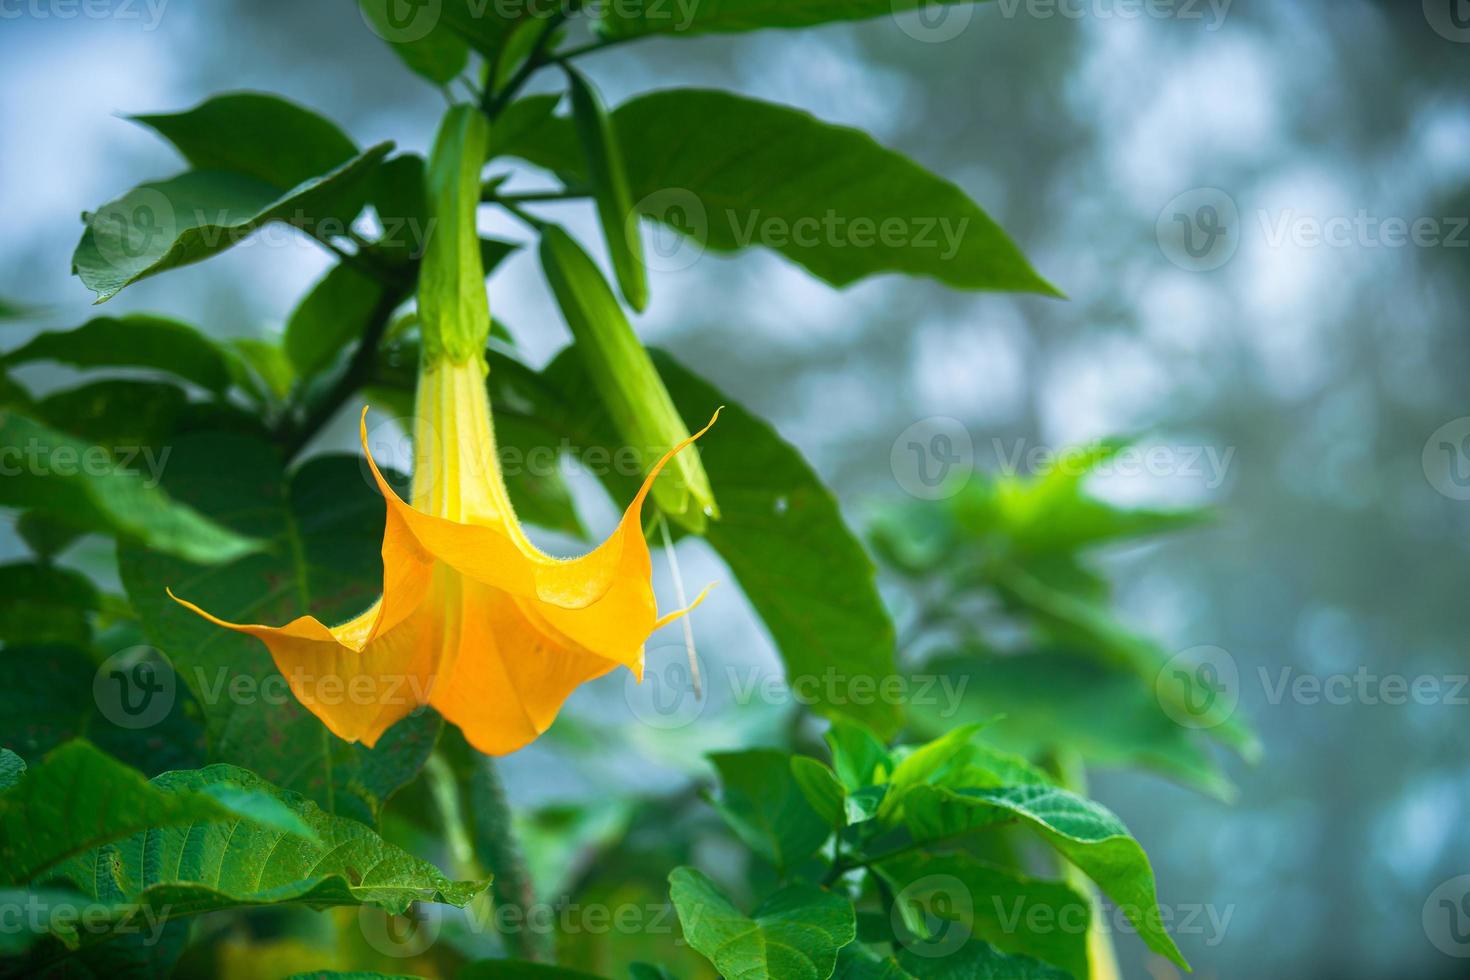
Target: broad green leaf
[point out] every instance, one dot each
(45, 604)
(12, 767)
(350, 975)
(762, 801)
(1047, 920)
(269, 365)
(50, 694)
(90, 488)
(324, 525)
(1049, 701)
(857, 962)
(794, 935)
(330, 317)
(256, 135)
(977, 961)
(213, 863)
(956, 759)
(79, 798)
(780, 532)
(639, 17)
(823, 790)
(1085, 833)
(171, 223)
(521, 117)
(858, 757)
(607, 176)
(135, 340)
(624, 377)
(647, 971)
(484, 25)
(44, 534)
(827, 197)
(427, 48)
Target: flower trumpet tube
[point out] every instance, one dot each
(474, 619)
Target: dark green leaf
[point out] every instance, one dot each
(426, 47)
(858, 757)
(976, 961)
(164, 225)
(519, 970)
(762, 801)
(80, 798)
(324, 524)
(857, 962)
(1047, 920)
(639, 17)
(1085, 833)
(827, 197)
(332, 315)
(89, 488)
(255, 135)
(136, 340)
(823, 790)
(794, 935)
(44, 604)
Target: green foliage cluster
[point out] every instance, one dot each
(898, 850)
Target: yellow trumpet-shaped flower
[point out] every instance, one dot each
(474, 619)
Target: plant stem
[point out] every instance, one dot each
(1102, 958)
(492, 104)
(358, 371)
(499, 848)
(530, 197)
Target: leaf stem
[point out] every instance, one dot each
(493, 103)
(511, 886)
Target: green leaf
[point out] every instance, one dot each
(857, 962)
(762, 801)
(429, 50)
(639, 17)
(269, 364)
(12, 767)
(624, 377)
(45, 534)
(185, 219)
(220, 860)
(1047, 920)
(822, 789)
(607, 175)
(520, 118)
(45, 604)
(324, 525)
(824, 196)
(88, 488)
(135, 340)
(1053, 701)
(977, 961)
(858, 757)
(1085, 833)
(80, 798)
(331, 316)
(255, 135)
(794, 935)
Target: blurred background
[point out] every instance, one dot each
(1165, 164)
